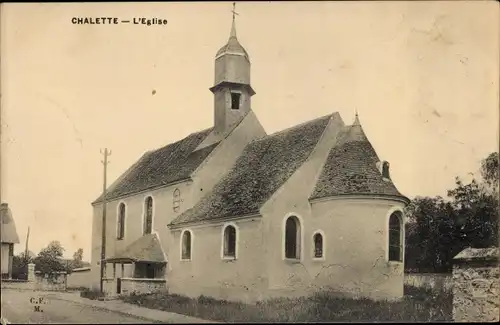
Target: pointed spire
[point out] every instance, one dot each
(233, 46)
(233, 26)
(233, 30)
(354, 133)
(356, 119)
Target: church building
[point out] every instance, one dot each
(234, 213)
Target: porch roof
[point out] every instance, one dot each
(145, 249)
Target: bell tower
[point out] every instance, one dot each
(232, 90)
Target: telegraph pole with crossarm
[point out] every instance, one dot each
(105, 163)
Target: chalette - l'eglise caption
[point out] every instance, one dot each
(116, 21)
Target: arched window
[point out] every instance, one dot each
(396, 237)
(292, 238)
(121, 221)
(148, 215)
(186, 245)
(177, 200)
(385, 170)
(318, 245)
(229, 241)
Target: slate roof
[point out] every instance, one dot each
(172, 163)
(351, 168)
(145, 249)
(8, 226)
(263, 168)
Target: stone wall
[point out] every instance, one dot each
(433, 281)
(37, 282)
(56, 283)
(133, 285)
(476, 286)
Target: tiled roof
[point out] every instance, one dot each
(351, 168)
(263, 168)
(8, 226)
(146, 249)
(172, 163)
(471, 254)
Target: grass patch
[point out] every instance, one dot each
(420, 305)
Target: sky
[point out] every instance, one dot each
(423, 77)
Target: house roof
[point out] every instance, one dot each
(172, 163)
(351, 168)
(261, 170)
(8, 226)
(145, 249)
(478, 254)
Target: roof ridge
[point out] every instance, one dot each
(297, 126)
(181, 139)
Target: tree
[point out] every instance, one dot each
(477, 211)
(489, 170)
(77, 258)
(49, 260)
(439, 229)
(430, 232)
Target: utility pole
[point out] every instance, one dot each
(26, 256)
(105, 162)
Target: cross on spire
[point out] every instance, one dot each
(233, 27)
(234, 10)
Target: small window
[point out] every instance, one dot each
(385, 170)
(177, 200)
(148, 215)
(395, 237)
(186, 245)
(230, 242)
(292, 238)
(121, 222)
(235, 100)
(318, 245)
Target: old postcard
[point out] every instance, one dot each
(185, 162)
